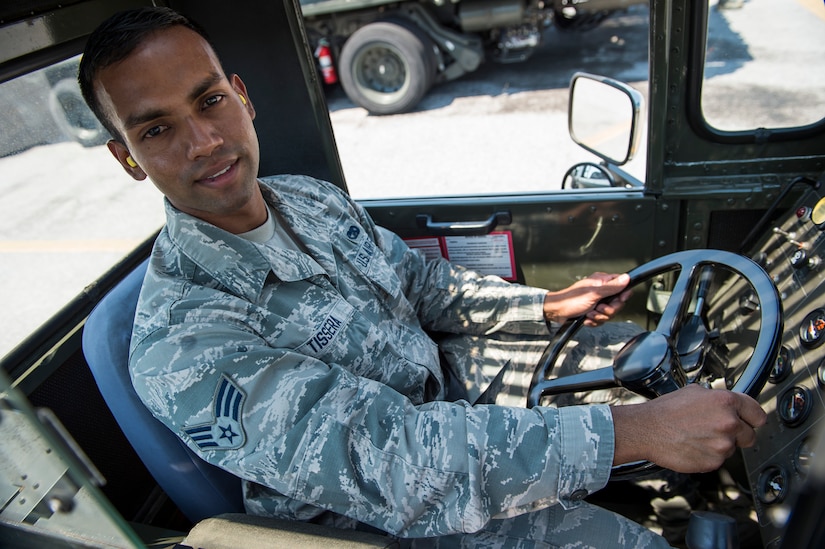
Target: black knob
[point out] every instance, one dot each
(707, 530)
(799, 258)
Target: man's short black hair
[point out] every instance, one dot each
(115, 39)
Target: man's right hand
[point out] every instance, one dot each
(692, 430)
(583, 298)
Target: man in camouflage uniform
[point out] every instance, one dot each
(284, 337)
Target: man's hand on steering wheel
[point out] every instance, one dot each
(583, 297)
(660, 431)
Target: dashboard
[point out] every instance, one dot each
(792, 252)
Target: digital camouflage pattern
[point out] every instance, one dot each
(311, 376)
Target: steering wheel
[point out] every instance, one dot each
(654, 363)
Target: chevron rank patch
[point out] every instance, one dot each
(225, 431)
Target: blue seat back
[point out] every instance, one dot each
(200, 490)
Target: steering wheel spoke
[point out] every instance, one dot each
(675, 308)
(591, 380)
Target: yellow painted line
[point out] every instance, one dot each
(817, 7)
(67, 246)
(607, 134)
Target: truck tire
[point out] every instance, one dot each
(73, 117)
(387, 66)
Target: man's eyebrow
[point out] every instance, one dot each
(141, 118)
(201, 88)
(204, 85)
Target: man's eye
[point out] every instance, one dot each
(213, 100)
(154, 131)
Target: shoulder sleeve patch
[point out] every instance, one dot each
(225, 431)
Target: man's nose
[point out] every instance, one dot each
(204, 138)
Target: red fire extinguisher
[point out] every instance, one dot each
(324, 55)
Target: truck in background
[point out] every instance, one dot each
(388, 53)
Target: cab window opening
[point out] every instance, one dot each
(739, 89)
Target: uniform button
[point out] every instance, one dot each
(578, 495)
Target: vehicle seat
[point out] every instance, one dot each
(200, 490)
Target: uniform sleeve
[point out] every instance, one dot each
(321, 435)
(450, 298)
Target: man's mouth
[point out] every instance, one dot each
(217, 175)
(220, 173)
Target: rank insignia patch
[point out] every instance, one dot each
(225, 432)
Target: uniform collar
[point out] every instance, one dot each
(238, 264)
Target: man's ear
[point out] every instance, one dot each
(121, 154)
(243, 96)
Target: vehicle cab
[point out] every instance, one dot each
(703, 180)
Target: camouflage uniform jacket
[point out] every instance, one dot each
(311, 376)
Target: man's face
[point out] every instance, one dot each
(186, 127)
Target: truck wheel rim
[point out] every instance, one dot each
(381, 72)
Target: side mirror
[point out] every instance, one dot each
(587, 175)
(603, 117)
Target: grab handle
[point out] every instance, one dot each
(463, 228)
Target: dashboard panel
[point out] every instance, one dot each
(791, 251)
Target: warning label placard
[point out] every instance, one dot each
(488, 254)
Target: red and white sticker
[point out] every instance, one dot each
(487, 254)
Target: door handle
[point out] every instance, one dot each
(463, 228)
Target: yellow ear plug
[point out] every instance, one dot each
(243, 99)
(131, 162)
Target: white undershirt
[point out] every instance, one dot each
(270, 233)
